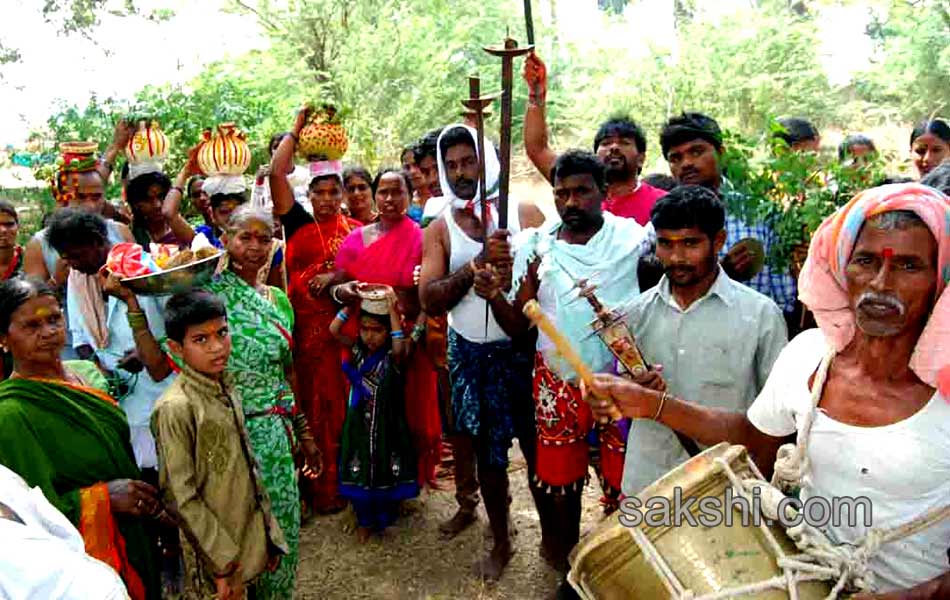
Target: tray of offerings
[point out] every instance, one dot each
(187, 270)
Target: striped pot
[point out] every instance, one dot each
(225, 152)
(148, 144)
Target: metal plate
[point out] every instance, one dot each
(174, 281)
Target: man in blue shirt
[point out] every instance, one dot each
(692, 145)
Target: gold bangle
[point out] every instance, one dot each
(659, 409)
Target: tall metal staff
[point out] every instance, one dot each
(507, 51)
(529, 22)
(476, 104)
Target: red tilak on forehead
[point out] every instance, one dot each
(888, 252)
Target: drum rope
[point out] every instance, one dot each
(820, 559)
(848, 563)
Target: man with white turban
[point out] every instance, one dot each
(491, 373)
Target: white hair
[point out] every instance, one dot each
(247, 214)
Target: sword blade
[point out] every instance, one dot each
(529, 22)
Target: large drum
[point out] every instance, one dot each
(714, 561)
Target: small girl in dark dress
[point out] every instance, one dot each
(377, 457)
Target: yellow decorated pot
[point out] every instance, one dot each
(323, 137)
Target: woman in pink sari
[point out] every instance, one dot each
(387, 252)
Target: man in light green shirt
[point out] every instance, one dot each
(715, 338)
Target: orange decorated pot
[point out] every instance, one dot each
(225, 152)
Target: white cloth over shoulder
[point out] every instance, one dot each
(44, 556)
(608, 260)
(902, 468)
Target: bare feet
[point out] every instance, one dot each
(362, 534)
(512, 530)
(491, 567)
(410, 507)
(461, 521)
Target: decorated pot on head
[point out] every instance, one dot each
(223, 157)
(374, 298)
(323, 137)
(147, 149)
(76, 157)
(323, 142)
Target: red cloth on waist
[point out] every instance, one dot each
(564, 421)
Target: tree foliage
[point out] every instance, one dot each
(911, 74)
(397, 68)
(394, 67)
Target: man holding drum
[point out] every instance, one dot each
(867, 393)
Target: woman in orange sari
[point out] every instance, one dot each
(312, 243)
(60, 431)
(387, 252)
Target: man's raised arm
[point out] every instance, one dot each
(535, 126)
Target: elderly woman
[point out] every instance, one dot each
(221, 204)
(63, 433)
(261, 320)
(387, 252)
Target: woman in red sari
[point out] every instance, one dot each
(387, 252)
(312, 243)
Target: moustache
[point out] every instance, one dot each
(683, 268)
(884, 299)
(573, 214)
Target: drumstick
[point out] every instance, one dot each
(533, 311)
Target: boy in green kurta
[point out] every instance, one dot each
(207, 468)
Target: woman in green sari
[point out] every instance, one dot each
(260, 319)
(62, 432)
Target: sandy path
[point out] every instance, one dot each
(411, 562)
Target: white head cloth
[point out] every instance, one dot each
(224, 184)
(144, 167)
(492, 172)
(324, 168)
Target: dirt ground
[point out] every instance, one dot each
(411, 561)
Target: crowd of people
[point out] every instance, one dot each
(360, 330)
